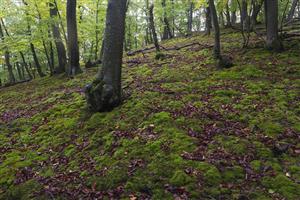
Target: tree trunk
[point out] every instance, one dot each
(271, 11)
(217, 46)
(233, 17)
(292, 10)
(228, 20)
(245, 16)
(256, 9)
(25, 65)
(32, 48)
(167, 30)
(97, 30)
(152, 27)
(105, 92)
(36, 61)
(11, 77)
(60, 47)
(73, 48)
(190, 18)
(222, 61)
(207, 21)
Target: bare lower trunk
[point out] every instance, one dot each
(152, 27)
(60, 47)
(73, 48)
(105, 92)
(207, 21)
(271, 11)
(190, 18)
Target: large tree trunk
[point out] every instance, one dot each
(73, 48)
(292, 10)
(152, 27)
(244, 16)
(207, 21)
(60, 47)
(271, 12)
(105, 92)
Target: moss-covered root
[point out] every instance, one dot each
(101, 97)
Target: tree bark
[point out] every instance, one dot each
(152, 27)
(73, 48)
(97, 30)
(292, 10)
(228, 20)
(25, 65)
(60, 47)
(217, 46)
(271, 11)
(105, 92)
(207, 21)
(167, 30)
(190, 18)
(11, 77)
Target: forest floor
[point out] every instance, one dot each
(185, 130)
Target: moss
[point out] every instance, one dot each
(233, 144)
(180, 178)
(271, 128)
(212, 176)
(69, 150)
(23, 191)
(283, 185)
(233, 174)
(256, 165)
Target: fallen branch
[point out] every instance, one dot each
(149, 49)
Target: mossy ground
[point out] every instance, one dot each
(185, 130)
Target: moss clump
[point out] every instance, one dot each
(23, 191)
(271, 128)
(256, 165)
(232, 144)
(212, 176)
(233, 174)
(180, 178)
(283, 185)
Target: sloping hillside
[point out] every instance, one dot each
(185, 129)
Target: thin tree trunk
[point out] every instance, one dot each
(152, 27)
(292, 10)
(60, 47)
(190, 18)
(32, 48)
(167, 30)
(97, 30)
(73, 48)
(217, 46)
(11, 77)
(25, 65)
(105, 92)
(228, 20)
